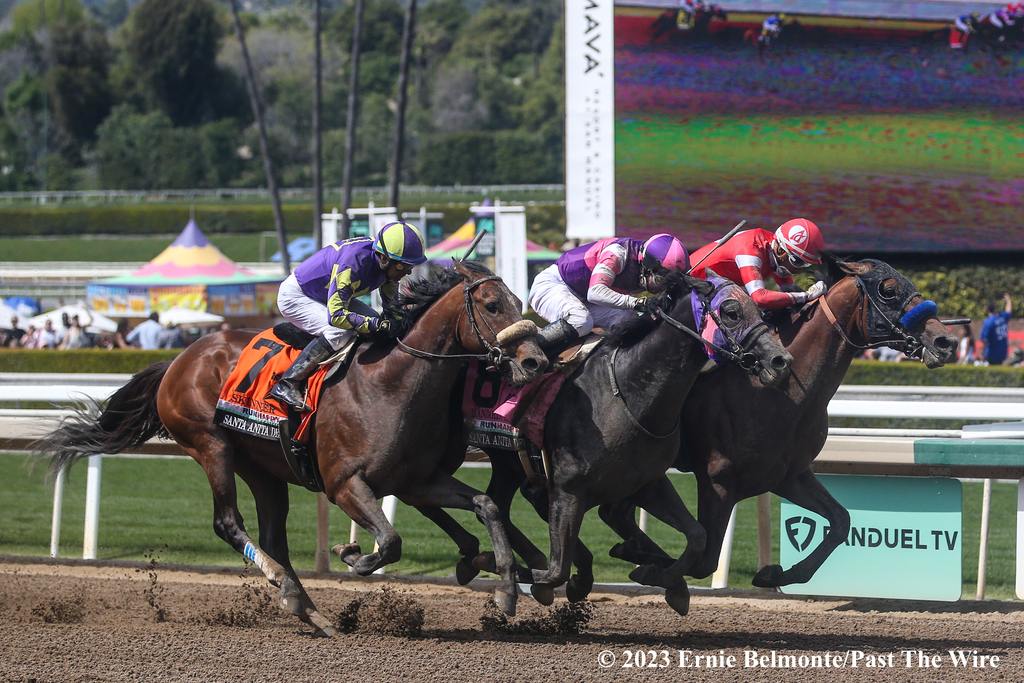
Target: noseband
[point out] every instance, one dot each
(494, 355)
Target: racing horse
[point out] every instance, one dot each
(742, 439)
(614, 425)
(382, 430)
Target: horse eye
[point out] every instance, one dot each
(491, 306)
(731, 310)
(886, 289)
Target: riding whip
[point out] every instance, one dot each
(472, 245)
(719, 242)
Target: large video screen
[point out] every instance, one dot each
(888, 138)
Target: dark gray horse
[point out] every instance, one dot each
(615, 425)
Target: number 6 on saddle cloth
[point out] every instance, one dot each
(243, 405)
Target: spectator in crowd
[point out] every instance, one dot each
(12, 336)
(47, 337)
(171, 338)
(965, 350)
(995, 333)
(119, 339)
(75, 337)
(890, 355)
(147, 334)
(30, 338)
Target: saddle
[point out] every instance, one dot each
(243, 405)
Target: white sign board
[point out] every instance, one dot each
(510, 249)
(589, 118)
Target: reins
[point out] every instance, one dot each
(494, 354)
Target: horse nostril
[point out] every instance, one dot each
(779, 362)
(531, 364)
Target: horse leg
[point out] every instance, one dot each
(579, 585)
(444, 490)
(227, 520)
(271, 496)
(714, 506)
(506, 478)
(805, 490)
(566, 514)
(468, 544)
(355, 497)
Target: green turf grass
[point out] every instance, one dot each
(164, 506)
(238, 247)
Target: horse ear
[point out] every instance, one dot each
(711, 274)
(702, 287)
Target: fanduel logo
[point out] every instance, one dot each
(792, 528)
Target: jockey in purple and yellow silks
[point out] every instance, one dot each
(601, 283)
(320, 297)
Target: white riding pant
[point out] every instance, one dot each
(312, 316)
(554, 300)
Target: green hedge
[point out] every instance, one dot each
(916, 374)
(142, 219)
(81, 360)
(861, 372)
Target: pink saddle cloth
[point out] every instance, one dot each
(500, 416)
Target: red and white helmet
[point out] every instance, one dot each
(801, 240)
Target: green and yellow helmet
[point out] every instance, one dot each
(400, 241)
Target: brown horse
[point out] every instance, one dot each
(743, 439)
(385, 429)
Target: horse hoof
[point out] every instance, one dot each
(678, 599)
(577, 589)
(769, 576)
(349, 553)
(325, 632)
(465, 571)
(646, 575)
(543, 593)
(505, 601)
(485, 562)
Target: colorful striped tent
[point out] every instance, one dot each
(191, 273)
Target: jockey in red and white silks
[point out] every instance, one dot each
(600, 283)
(753, 256)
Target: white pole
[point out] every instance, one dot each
(58, 506)
(643, 520)
(390, 505)
(92, 507)
(986, 501)
(720, 579)
(1020, 538)
(764, 530)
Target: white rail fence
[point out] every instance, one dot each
(866, 450)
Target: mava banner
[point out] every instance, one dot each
(905, 540)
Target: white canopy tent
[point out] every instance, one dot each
(188, 317)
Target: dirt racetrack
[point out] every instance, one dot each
(86, 623)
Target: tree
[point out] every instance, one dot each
(172, 47)
(80, 93)
(34, 15)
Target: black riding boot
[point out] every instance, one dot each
(291, 388)
(555, 337)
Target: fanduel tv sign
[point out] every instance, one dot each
(905, 540)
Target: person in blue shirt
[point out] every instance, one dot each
(147, 334)
(995, 333)
(320, 297)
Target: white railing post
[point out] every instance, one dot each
(720, 579)
(986, 502)
(92, 507)
(390, 506)
(58, 507)
(643, 520)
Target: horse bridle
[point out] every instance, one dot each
(737, 351)
(900, 338)
(494, 354)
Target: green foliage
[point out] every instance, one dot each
(81, 360)
(172, 46)
(80, 94)
(916, 374)
(33, 15)
(488, 157)
(964, 289)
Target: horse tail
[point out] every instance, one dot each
(128, 419)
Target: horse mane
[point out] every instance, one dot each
(428, 284)
(631, 330)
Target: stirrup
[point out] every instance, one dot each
(280, 391)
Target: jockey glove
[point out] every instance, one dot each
(647, 305)
(816, 290)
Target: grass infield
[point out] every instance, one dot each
(164, 507)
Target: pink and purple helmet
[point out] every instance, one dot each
(664, 251)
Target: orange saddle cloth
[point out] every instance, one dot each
(243, 405)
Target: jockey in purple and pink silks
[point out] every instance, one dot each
(600, 283)
(320, 297)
